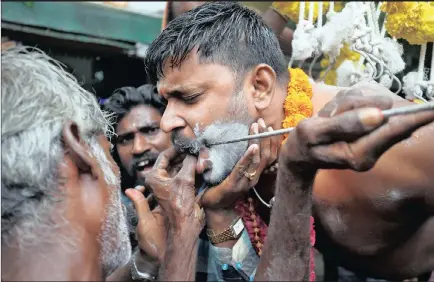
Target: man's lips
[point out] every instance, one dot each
(144, 165)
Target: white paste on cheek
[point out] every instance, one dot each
(224, 157)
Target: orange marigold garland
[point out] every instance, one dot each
(298, 104)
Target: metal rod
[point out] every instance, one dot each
(409, 110)
(387, 113)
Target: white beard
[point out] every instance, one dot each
(224, 157)
(114, 236)
(115, 241)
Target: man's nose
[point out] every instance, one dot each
(170, 119)
(140, 145)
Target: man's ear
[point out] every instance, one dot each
(263, 80)
(77, 149)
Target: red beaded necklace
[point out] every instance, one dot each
(257, 228)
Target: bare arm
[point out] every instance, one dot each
(277, 23)
(274, 20)
(185, 219)
(287, 250)
(181, 256)
(351, 140)
(406, 168)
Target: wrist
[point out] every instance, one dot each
(219, 219)
(301, 183)
(145, 263)
(295, 167)
(183, 233)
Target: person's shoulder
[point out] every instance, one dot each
(322, 94)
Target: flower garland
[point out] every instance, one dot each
(298, 104)
(291, 10)
(345, 54)
(412, 21)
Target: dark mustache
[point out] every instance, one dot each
(185, 145)
(149, 156)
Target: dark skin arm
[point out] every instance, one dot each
(277, 23)
(185, 219)
(288, 258)
(352, 140)
(181, 257)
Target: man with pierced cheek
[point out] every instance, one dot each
(220, 68)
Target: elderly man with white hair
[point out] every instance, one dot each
(62, 217)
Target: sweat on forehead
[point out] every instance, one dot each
(224, 33)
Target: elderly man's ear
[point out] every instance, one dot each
(77, 150)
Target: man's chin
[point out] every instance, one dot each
(212, 179)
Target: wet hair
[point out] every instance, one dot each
(124, 99)
(225, 33)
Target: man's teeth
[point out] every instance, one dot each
(143, 163)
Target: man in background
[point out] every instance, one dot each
(139, 139)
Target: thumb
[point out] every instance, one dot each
(188, 169)
(140, 203)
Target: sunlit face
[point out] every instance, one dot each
(114, 236)
(140, 140)
(205, 105)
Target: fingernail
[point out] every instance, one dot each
(333, 112)
(371, 117)
(256, 157)
(261, 122)
(270, 128)
(255, 128)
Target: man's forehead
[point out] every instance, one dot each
(165, 87)
(139, 116)
(178, 76)
(191, 75)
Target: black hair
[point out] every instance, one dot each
(121, 103)
(224, 33)
(124, 99)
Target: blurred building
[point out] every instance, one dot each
(101, 43)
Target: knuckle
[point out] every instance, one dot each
(361, 165)
(305, 132)
(184, 180)
(384, 101)
(358, 162)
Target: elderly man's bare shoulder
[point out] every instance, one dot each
(380, 215)
(324, 94)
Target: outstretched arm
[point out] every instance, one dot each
(287, 249)
(406, 168)
(350, 140)
(185, 219)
